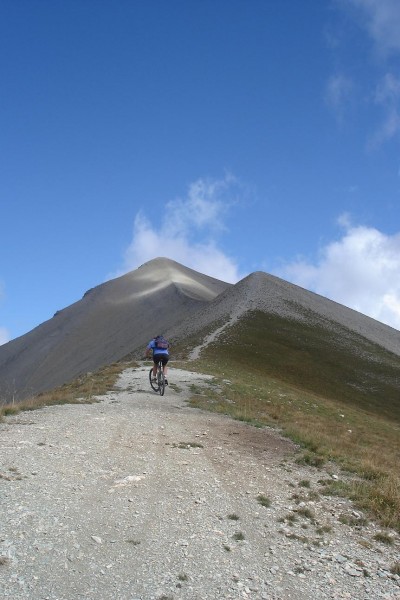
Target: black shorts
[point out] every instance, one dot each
(163, 357)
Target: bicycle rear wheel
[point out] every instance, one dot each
(161, 382)
(154, 385)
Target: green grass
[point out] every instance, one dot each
(329, 362)
(311, 460)
(263, 500)
(304, 483)
(328, 389)
(307, 513)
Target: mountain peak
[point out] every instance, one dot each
(160, 272)
(108, 323)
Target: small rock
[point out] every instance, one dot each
(353, 572)
(97, 539)
(340, 559)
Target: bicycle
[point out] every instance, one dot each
(159, 384)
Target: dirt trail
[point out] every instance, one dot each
(142, 497)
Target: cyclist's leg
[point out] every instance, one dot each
(155, 363)
(154, 371)
(153, 380)
(156, 360)
(165, 367)
(165, 360)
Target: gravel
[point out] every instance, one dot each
(142, 497)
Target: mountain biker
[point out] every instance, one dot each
(158, 346)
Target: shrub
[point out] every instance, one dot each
(263, 500)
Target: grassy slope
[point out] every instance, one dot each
(334, 363)
(329, 389)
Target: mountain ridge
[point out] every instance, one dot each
(118, 317)
(108, 322)
(271, 294)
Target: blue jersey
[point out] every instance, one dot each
(152, 346)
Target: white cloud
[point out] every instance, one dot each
(382, 21)
(344, 220)
(206, 203)
(339, 93)
(361, 270)
(4, 336)
(188, 231)
(387, 96)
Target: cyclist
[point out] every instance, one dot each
(158, 346)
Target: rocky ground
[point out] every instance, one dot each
(142, 497)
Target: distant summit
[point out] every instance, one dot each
(109, 322)
(119, 317)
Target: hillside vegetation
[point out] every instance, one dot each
(331, 390)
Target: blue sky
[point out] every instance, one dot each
(230, 135)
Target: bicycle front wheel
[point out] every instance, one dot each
(153, 384)
(161, 382)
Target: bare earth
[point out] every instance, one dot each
(142, 497)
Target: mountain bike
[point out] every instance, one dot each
(159, 384)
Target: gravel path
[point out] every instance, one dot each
(142, 497)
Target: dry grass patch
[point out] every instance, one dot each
(384, 538)
(395, 568)
(83, 390)
(353, 521)
(185, 445)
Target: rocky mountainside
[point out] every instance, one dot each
(109, 322)
(272, 295)
(118, 318)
